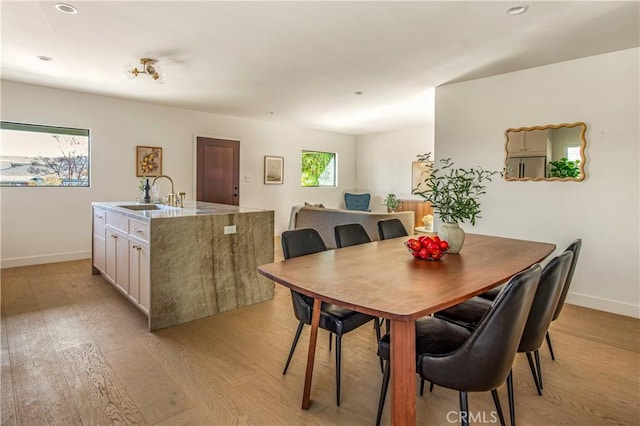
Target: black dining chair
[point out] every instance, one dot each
(574, 247)
(350, 234)
(469, 314)
(391, 228)
(457, 358)
(335, 319)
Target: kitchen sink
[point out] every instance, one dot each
(138, 207)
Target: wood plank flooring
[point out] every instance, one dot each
(76, 352)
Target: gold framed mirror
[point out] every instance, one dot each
(552, 152)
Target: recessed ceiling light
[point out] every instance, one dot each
(45, 58)
(517, 9)
(358, 92)
(66, 8)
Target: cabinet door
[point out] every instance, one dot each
(139, 274)
(110, 255)
(99, 252)
(515, 143)
(535, 141)
(117, 260)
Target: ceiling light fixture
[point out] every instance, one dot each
(149, 67)
(45, 58)
(66, 8)
(517, 9)
(358, 92)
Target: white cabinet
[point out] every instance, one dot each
(117, 260)
(122, 255)
(139, 281)
(527, 143)
(98, 238)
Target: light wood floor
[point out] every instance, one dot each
(74, 351)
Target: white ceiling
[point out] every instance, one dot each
(302, 60)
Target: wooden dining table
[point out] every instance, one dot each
(384, 280)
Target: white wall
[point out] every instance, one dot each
(602, 91)
(384, 162)
(41, 225)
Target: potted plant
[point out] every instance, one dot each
(392, 203)
(564, 168)
(454, 195)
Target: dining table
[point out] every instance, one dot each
(384, 280)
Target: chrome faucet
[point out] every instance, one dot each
(172, 197)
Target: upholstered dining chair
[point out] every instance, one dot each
(470, 313)
(457, 358)
(391, 228)
(350, 234)
(335, 319)
(357, 201)
(574, 247)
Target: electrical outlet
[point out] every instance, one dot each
(229, 229)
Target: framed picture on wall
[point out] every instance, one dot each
(419, 172)
(148, 161)
(273, 170)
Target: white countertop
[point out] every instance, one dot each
(191, 208)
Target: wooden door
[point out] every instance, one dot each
(218, 171)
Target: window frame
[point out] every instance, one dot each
(49, 130)
(335, 168)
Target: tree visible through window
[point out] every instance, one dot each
(318, 168)
(34, 155)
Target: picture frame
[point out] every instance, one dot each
(420, 171)
(273, 170)
(148, 161)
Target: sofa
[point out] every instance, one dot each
(324, 220)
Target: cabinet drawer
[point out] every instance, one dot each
(99, 221)
(139, 229)
(118, 222)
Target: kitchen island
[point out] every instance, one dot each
(180, 264)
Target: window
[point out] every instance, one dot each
(572, 153)
(318, 168)
(34, 155)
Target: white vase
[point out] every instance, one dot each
(453, 234)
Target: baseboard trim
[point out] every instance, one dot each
(38, 260)
(602, 304)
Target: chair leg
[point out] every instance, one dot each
(338, 355)
(422, 386)
(548, 337)
(330, 339)
(293, 346)
(536, 354)
(376, 326)
(383, 391)
(464, 409)
(496, 401)
(512, 399)
(534, 373)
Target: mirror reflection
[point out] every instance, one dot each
(551, 152)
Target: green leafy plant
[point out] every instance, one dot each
(392, 202)
(453, 192)
(564, 168)
(313, 166)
